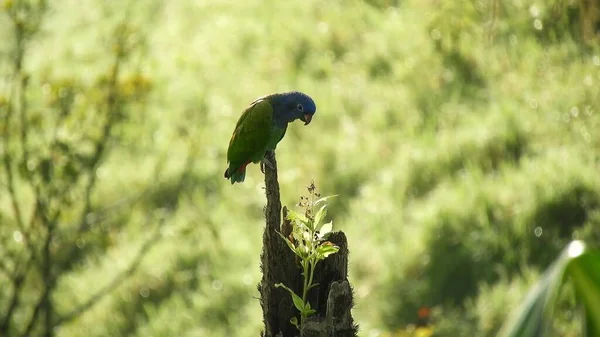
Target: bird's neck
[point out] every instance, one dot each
(280, 121)
(280, 117)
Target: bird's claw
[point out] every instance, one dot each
(266, 162)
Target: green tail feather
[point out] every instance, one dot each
(237, 176)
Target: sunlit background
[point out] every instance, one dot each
(461, 136)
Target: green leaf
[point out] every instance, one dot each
(295, 216)
(308, 310)
(306, 235)
(325, 230)
(575, 264)
(294, 321)
(301, 251)
(320, 216)
(297, 233)
(298, 302)
(327, 249)
(324, 199)
(288, 242)
(584, 272)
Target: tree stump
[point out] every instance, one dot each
(332, 298)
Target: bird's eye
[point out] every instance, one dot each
(300, 107)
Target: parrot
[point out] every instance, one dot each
(261, 127)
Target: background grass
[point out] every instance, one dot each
(461, 137)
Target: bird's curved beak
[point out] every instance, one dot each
(307, 119)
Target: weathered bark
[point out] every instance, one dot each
(332, 298)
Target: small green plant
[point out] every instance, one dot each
(308, 241)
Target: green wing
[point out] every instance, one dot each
(251, 134)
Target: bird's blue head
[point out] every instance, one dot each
(293, 105)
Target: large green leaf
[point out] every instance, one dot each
(584, 272)
(576, 264)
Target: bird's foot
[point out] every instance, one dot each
(266, 162)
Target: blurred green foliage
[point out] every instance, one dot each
(460, 135)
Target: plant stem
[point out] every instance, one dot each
(313, 264)
(305, 270)
(308, 268)
(304, 289)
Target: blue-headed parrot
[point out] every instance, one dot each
(260, 128)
